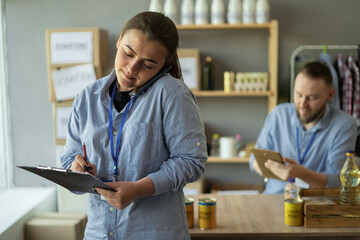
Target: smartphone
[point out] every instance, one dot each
(153, 80)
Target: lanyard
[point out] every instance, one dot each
(301, 159)
(116, 156)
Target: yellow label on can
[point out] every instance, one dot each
(207, 213)
(293, 212)
(189, 209)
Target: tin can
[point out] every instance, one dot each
(293, 212)
(229, 78)
(207, 211)
(189, 209)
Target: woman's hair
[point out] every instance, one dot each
(162, 29)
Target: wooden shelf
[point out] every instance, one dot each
(220, 93)
(212, 159)
(223, 26)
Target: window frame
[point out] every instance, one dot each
(6, 157)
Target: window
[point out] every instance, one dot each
(6, 166)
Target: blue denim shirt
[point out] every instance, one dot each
(163, 138)
(327, 154)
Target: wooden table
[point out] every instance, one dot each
(259, 217)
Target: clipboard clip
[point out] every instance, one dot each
(64, 170)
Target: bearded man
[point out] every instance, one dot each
(310, 134)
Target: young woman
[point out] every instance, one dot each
(144, 137)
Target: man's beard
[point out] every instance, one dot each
(312, 117)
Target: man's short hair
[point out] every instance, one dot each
(316, 70)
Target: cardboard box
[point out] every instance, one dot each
(99, 71)
(61, 112)
(56, 226)
(72, 45)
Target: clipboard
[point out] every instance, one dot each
(262, 155)
(73, 181)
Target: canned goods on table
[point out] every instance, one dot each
(293, 212)
(189, 208)
(207, 213)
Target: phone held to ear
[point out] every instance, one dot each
(153, 80)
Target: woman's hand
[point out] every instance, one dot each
(285, 171)
(79, 163)
(127, 192)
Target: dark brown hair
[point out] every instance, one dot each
(162, 29)
(316, 70)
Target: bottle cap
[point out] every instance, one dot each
(215, 136)
(238, 136)
(208, 59)
(350, 153)
(291, 180)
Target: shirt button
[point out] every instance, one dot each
(111, 234)
(111, 209)
(198, 143)
(115, 133)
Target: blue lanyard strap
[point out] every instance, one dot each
(116, 156)
(301, 159)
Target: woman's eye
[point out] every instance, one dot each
(148, 67)
(127, 54)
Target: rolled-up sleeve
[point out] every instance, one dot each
(185, 139)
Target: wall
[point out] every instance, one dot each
(300, 22)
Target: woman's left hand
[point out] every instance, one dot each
(126, 193)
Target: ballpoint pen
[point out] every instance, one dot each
(86, 168)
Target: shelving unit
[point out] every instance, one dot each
(212, 159)
(272, 27)
(271, 94)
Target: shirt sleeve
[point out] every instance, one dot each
(73, 145)
(344, 141)
(185, 139)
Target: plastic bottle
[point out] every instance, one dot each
(217, 12)
(293, 213)
(248, 8)
(187, 12)
(291, 190)
(262, 11)
(238, 144)
(170, 10)
(201, 12)
(155, 6)
(208, 83)
(349, 178)
(234, 12)
(215, 145)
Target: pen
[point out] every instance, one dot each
(86, 168)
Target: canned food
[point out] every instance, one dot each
(189, 209)
(293, 212)
(207, 211)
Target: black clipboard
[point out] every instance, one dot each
(73, 181)
(262, 155)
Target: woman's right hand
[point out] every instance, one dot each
(79, 163)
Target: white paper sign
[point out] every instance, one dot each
(69, 81)
(71, 47)
(189, 71)
(62, 118)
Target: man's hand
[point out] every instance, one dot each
(290, 169)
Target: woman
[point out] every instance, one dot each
(148, 146)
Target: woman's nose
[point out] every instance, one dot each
(133, 67)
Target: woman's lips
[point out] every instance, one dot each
(127, 76)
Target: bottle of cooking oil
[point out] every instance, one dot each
(349, 178)
(293, 204)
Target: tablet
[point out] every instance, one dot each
(262, 155)
(73, 181)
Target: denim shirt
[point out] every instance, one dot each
(336, 133)
(163, 138)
